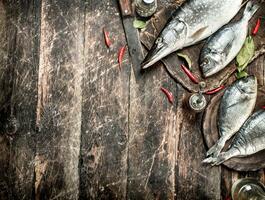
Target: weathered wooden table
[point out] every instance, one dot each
(73, 126)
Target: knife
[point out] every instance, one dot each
(132, 34)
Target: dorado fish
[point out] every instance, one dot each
(236, 106)
(225, 44)
(249, 140)
(194, 21)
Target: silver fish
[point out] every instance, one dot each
(194, 21)
(249, 140)
(236, 106)
(225, 44)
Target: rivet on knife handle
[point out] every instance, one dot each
(126, 8)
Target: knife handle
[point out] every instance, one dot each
(126, 8)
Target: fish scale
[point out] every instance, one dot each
(236, 106)
(249, 140)
(221, 48)
(194, 21)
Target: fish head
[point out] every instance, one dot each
(211, 63)
(248, 85)
(171, 39)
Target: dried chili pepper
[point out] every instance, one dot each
(189, 74)
(107, 38)
(121, 55)
(257, 26)
(168, 94)
(215, 90)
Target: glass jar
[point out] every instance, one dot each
(248, 189)
(145, 8)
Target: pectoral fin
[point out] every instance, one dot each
(197, 35)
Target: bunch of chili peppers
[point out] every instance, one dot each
(195, 80)
(191, 76)
(108, 43)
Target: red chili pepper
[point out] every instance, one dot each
(189, 74)
(107, 38)
(215, 90)
(121, 55)
(257, 26)
(263, 107)
(168, 94)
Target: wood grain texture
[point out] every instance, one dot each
(59, 100)
(228, 177)
(152, 136)
(103, 164)
(6, 90)
(193, 179)
(88, 130)
(19, 68)
(151, 145)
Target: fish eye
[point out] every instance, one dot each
(205, 61)
(245, 80)
(159, 40)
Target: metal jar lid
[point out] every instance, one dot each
(197, 102)
(148, 1)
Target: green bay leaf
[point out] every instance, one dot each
(241, 74)
(245, 54)
(139, 24)
(186, 59)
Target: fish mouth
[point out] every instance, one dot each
(251, 82)
(206, 71)
(156, 53)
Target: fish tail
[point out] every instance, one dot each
(222, 157)
(250, 10)
(216, 149)
(216, 160)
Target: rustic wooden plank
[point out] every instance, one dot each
(103, 165)
(152, 129)
(59, 100)
(139, 132)
(152, 132)
(193, 179)
(19, 66)
(6, 89)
